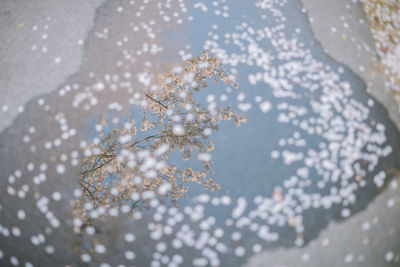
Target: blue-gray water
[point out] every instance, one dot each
(242, 160)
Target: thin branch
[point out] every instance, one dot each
(145, 139)
(87, 189)
(134, 204)
(155, 100)
(98, 167)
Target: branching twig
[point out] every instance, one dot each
(87, 189)
(155, 100)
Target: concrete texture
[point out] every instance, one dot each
(30, 66)
(367, 238)
(342, 29)
(37, 36)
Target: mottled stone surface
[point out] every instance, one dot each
(42, 45)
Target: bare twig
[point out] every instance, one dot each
(155, 100)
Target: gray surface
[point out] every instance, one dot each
(367, 239)
(347, 239)
(26, 73)
(38, 72)
(351, 44)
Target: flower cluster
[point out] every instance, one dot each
(121, 169)
(384, 21)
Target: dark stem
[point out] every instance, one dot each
(155, 100)
(87, 189)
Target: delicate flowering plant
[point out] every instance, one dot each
(123, 170)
